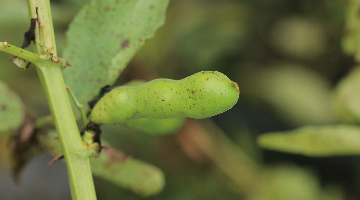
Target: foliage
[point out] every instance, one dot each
(103, 38)
(97, 61)
(297, 85)
(336, 139)
(12, 109)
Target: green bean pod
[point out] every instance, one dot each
(153, 126)
(198, 96)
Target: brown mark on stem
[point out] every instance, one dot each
(30, 34)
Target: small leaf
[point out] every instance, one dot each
(12, 112)
(315, 141)
(286, 182)
(140, 177)
(347, 97)
(122, 170)
(104, 37)
(351, 39)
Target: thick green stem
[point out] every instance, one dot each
(80, 177)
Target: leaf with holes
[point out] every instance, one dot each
(104, 37)
(12, 112)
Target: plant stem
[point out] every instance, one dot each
(22, 53)
(79, 172)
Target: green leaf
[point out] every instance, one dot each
(12, 112)
(285, 182)
(315, 141)
(104, 37)
(122, 170)
(300, 96)
(140, 177)
(351, 39)
(347, 97)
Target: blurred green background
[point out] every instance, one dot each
(286, 57)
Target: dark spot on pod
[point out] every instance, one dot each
(125, 44)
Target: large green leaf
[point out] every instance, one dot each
(11, 110)
(104, 37)
(315, 141)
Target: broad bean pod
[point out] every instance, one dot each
(152, 126)
(155, 126)
(198, 96)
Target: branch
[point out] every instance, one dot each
(49, 71)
